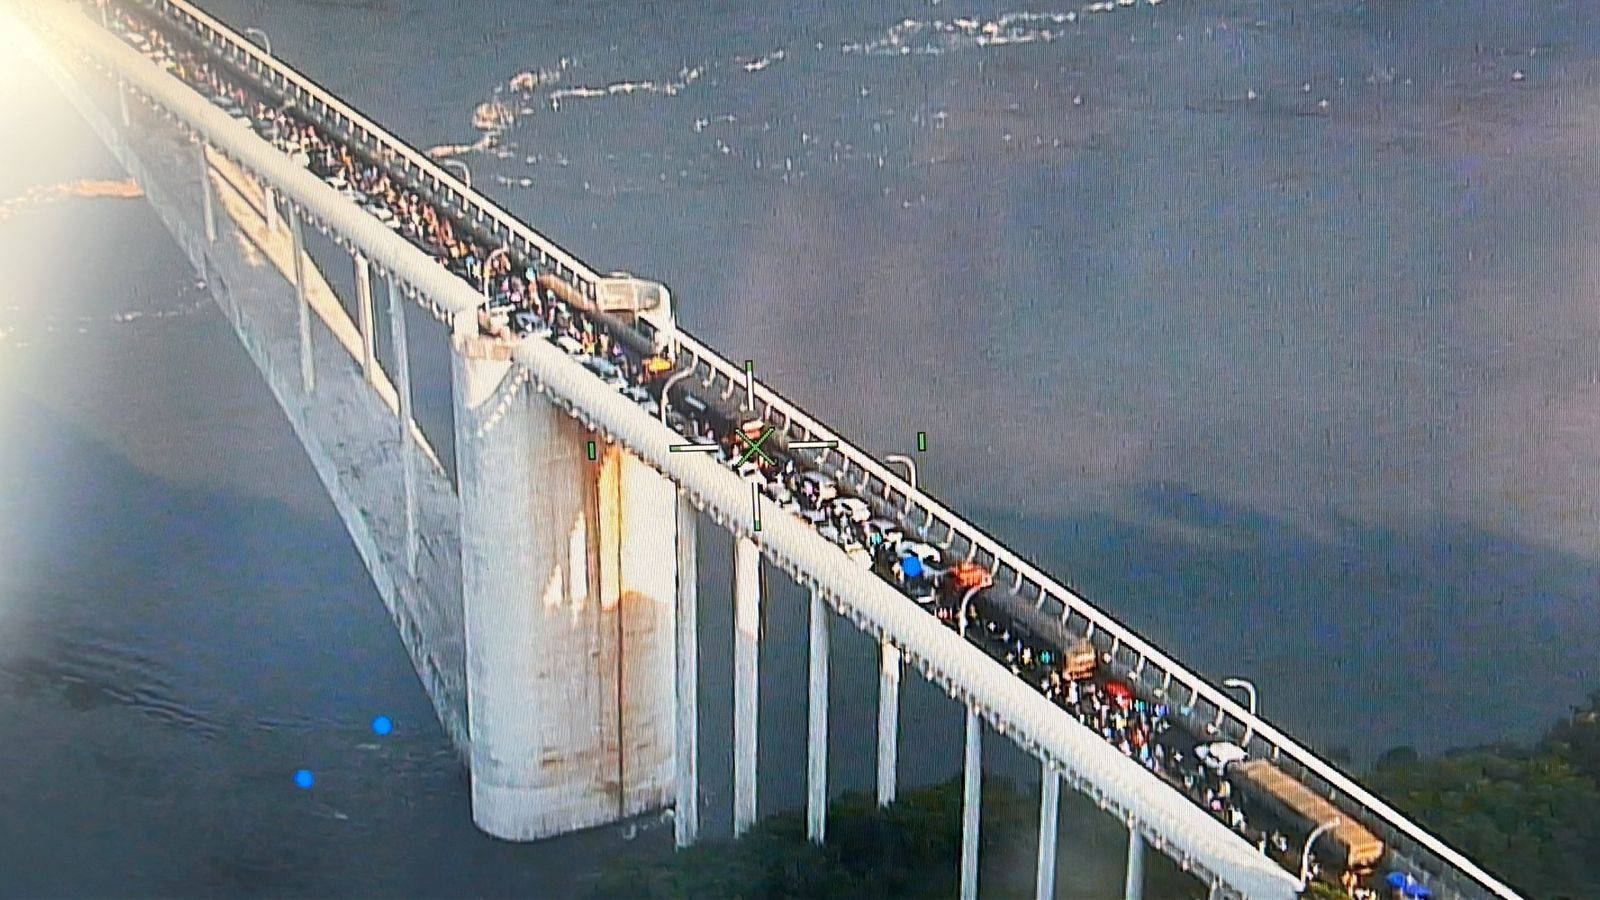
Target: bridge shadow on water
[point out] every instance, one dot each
(171, 654)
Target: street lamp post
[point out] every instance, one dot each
(668, 386)
(265, 41)
(961, 617)
(488, 263)
(1305, 855)
(1249, 689)
(466, 173)
(909, 463)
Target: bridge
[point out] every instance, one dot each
(538, 556)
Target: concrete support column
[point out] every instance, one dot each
(817, 725)
(888, 722)
(686, 817)
(746, 656)
(402, 386)
(308, 379)
(208, 201)
(1049, 814)
(1133, 888)
(569, 604)
(369, 366)
(971, 786)
(269, 200)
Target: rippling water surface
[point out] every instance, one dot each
(1272, 326)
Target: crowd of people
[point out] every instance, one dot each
(516, 305)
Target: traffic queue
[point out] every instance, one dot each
(524, 301)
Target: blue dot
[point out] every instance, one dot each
(912, 566)
(382, 725)
(305, 779)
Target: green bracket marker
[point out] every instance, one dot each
(591, 450)
(922, 440)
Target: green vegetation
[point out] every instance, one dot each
(1531, 814)
(909, 850)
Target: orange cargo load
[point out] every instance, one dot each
(1362, 848)
(971, 575)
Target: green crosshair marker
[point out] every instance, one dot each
(591, 450)
(922, 440)
(755, 447)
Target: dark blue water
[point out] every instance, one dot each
(1270, 326)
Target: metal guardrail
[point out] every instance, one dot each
(1147, 662)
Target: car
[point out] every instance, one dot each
(928, 555)
(885, 532)
(571, 345)
(851, 509)
(1219, 755)
(607, 370)
(817, 488)
(642, 397)
(846, 542)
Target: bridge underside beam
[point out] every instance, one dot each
(308, 378)
(403, 423)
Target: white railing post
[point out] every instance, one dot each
(686, 813)
(888, 721)
(817, 725)
(746, 659)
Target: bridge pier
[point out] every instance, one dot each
(364, 315)
(817, 725)
(402, 387)
(971, 800)
(1049, 818)
(746, 659)
(1133, 887)
(888, 721)
(568, 584)
(686, 815)
(308, 379)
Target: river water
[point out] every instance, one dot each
(1272, 327)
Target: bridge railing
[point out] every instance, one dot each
(1140, 660)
